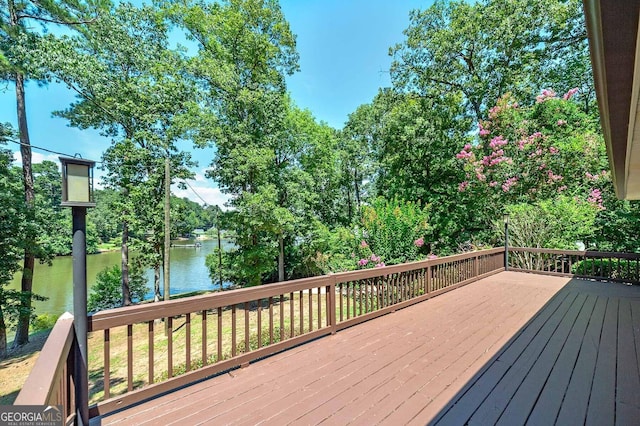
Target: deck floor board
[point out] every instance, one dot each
(510, 348)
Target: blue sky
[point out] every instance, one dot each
(343, 47)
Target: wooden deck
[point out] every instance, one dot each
(511, 349)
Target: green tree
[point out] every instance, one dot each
(550, 152)
(245, 49)
(12, 222)
(18, 64)
(484, 49)
(131, 86)
(107, 292)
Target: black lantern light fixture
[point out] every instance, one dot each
(77, 182)
(505, 218)
(77, 193)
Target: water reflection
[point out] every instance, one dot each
(188, 273)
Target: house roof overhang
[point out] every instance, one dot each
(612, 27)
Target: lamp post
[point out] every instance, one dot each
(77, 193)
(505, 218)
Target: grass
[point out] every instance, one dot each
(192, 328)
(15, 369)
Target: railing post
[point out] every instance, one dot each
(332, 303)
(428, 279)
(476, 266)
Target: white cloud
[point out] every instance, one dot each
(205, 189)
(36, 158)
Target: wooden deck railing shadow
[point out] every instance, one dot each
(607, 266)
(201, 336)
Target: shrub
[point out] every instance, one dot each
(620, 269)
(107, 292)
(43, 322)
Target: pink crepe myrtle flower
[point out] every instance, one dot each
(545, 95)
(431, 256)
(463, 154)
(562, 188)
(463, 186)
(553, 177)
(364, 244)
(506, 186)
(375, 258)
(570, 94)
(482, 131)
(493, 183)
(561, 122)
(363, 262)
(497, 142)
(419, 242)
(595, 197)
(380, 265)
(553, 150)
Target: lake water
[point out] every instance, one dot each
(188, 273)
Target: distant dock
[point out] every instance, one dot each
(196, 245)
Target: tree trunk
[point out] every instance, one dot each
(167, 229)
(156, 283)
(22, 330)
(357, 190)
(3, 334)
(124, 251)
(281, 259)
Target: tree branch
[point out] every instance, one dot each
(53, 21)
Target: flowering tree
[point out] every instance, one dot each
(527, 155)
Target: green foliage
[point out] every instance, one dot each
(484, 49)
(609, 268)
(43, 322)
(557, 223)
(327, 250)
(107, 292)
(395, 230)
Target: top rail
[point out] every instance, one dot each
(599, 265)
(49, 380)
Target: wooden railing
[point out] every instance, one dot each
(141, 351)
(608, 266)
(50, 381)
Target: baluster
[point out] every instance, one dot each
(150, 337)
(129, 357)
(270, 320)
(204, 337)
(259, 323)
(219, 334)
(169, 346)
(247, 331)
(292, 318)
(188, 343)
(233, 330)
(310, 291)
(319, 309)
(107, 364)
(301, 300)
(281, 317)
